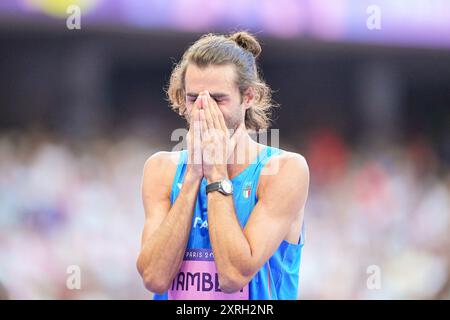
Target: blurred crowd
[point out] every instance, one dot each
(65, 203)
(384, 206)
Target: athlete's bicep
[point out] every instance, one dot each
(281, 200)
(156, 186)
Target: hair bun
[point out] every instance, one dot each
(247, 41)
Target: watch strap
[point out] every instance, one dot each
(215, 186)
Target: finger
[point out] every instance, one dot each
(223, 125)
(193, 137)
(197, 121)
(203, 124)
(195, 106)
(197, 139)
(199, 100)
(193, 117)
(194, 124)
(208, 116)
(219, 120)
(215, 112)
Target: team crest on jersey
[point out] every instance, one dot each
(247, 190)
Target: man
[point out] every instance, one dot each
(216, 226)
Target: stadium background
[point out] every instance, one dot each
(81, 111)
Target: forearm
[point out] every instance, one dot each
(162, 253)
(232, 250)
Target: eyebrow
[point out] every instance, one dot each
(217, 95)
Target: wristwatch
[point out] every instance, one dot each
(223, 186)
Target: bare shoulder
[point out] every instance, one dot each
(287, 169)
(287, 163)
(291, 160)
(161, 166)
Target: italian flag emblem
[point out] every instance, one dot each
(247, 190)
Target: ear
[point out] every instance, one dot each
(248, 97)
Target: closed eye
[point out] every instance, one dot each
(191, 99)
(220, 99)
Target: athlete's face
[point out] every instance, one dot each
(219, 80)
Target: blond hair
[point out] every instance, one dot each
(239, 49)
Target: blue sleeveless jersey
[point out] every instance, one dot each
(278, 278)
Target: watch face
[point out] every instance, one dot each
(227, 186)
